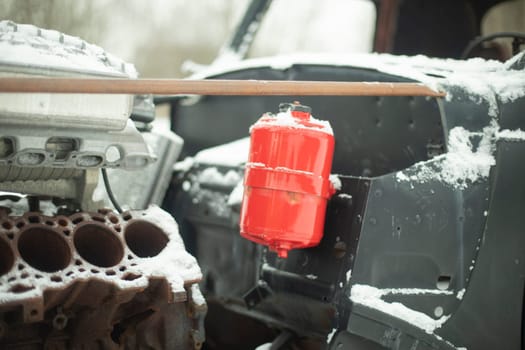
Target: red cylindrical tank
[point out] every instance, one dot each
(286, 181)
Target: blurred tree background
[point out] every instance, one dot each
(156, 35)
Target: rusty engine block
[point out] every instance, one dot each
(98, 281)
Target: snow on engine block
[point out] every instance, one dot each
(119, 279)
(74, 274)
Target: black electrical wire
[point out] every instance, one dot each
(518, 39)
(109, 191)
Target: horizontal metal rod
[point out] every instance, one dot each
(214, 87)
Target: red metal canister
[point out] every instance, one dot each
(286, 181)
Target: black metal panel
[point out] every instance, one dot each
(210, 229)
(374, 135)
(511, 115)
(318, 276)
(328, 263)
(346, 340)
(414, 233)
(467, 109)
(389, 233)
(228, 117)
(389, 332)
(490, 314)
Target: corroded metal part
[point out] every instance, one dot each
(98, 280)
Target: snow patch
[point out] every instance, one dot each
(336, 182)
(214, 176)
(186, 186)
(330, 335)
(464, 162)
(402, 177)
(460, 294)
(230, 154)
(18, 204)
(485, 80)
(511, 135)
(265, 346)
(236, 195)
(371, 297)
(286, 119)
(196, 295)
(173, 263)
(348, 275)
(509, 85)
(184, 165)
(479, 90)
(28, 45)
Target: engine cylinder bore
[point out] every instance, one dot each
(44, 249)
(98, 245)
(7, 258)
(145, 239)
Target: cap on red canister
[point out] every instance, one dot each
(286, 181)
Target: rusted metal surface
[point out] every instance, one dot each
(214, 87)
(386, 25)
(98, 281)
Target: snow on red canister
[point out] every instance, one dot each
(286, 181)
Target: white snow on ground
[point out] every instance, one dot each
(230, 154)
(462, 163)
(371, 297)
